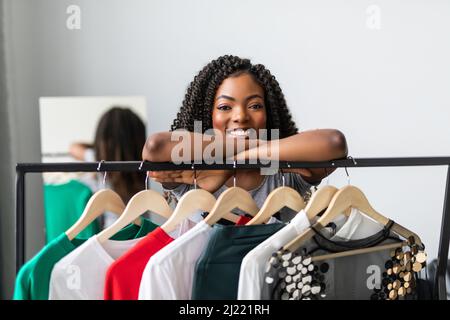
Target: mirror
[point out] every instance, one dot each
(88, 129)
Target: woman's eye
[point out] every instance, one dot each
(224, 107)
(256, 106)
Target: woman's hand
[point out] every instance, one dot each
(78, 150)
(209, 180)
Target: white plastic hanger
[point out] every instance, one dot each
(141, 202)
(100, 202)
(233, 197)
(189, 203)
(279, 198)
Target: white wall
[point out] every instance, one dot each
(386, 89)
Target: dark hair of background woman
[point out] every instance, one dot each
(120, 136)
(199, 98)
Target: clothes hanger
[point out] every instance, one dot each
(146, 200)
(322, 198)
(189, 203)
(358, 251)
(233, 197)
(276, 200)
(100, 202)
(320, 201)
(348, 197)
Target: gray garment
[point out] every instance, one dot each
(349, 278)
(260, 193)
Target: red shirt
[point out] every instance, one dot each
(124, 275)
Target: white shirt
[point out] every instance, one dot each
(81, 274)
(357, 226)
(251, 275)
(169, 273)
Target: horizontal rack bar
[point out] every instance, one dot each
(158, 166)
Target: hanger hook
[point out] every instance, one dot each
(146, 181)
(348, 177)
(195, 176)
(234, 173)
(146, 174)
(282, 177)
(104, 175)
(354, 161)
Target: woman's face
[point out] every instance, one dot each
(239, 106)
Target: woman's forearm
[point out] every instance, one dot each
(312, 145)
(166, 146)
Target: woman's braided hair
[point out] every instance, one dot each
(199, 99)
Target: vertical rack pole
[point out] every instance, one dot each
(440, 286)
(20, 217)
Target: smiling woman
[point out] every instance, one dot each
(235, 97)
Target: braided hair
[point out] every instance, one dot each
(199, 99)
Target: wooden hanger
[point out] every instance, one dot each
(141, 202)
(190, 203)
(278, 199)
(359, 251)
(320, 201)
(100, 202)
(233, 197)
(348, 197)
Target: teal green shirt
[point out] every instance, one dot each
(64, 204)
(33, 279)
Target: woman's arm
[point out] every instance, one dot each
(159, 146)
(78, 150)
(311, 145)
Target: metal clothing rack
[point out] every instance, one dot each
(23, 168)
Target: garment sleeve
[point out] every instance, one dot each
(155, 283)
(249, 287)
(22, 285)
(54, 287)
(270, 282)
